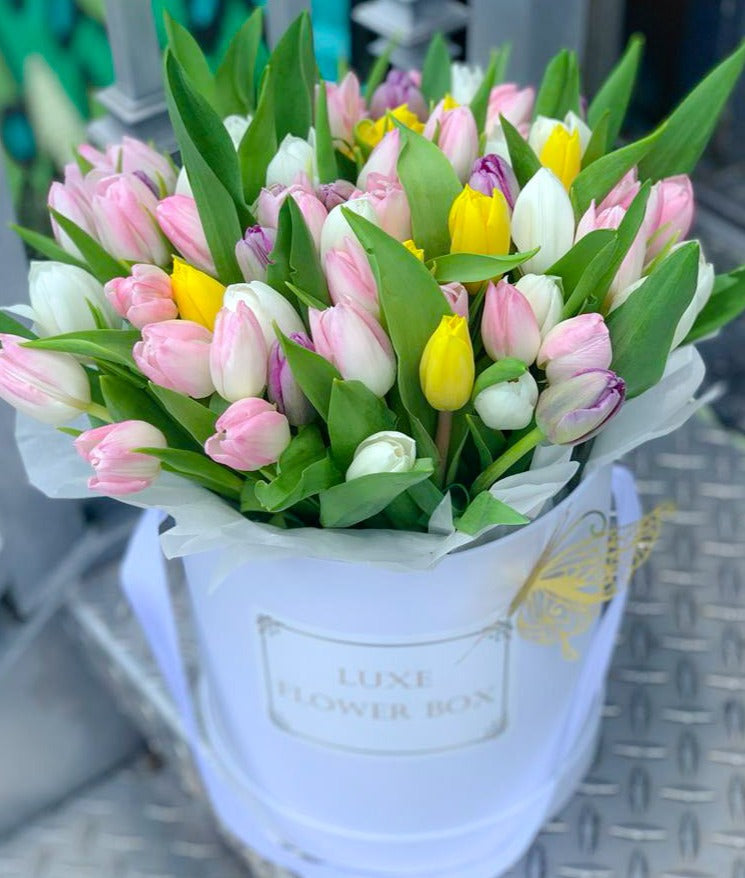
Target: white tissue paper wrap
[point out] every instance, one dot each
(204, 521)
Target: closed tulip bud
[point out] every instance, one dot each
(253, 252)
(198, 296)
(508, 405)
(544, 128)
(479, 224)
(350, 278)
(543, 217)
(354, 342)
(61, 299)
(123, 209)
(562, 154)
(466, 80)
(493, 172)
(238, 354)
(331, 195)
(345, 107)
(575, 345)
(508, 325)
(295, 159)
(268, 306)
(271, 200)
(46, 385)
(336, 228)
(179, 219)
(623, 193)
(458, 137)
(176, 354)
(283, 389)
(73, 200)
(456, 295)
(383, 159)
(386, 452)
(447, 370)
(370, 133)
(251, 434)
(398, 88)
(545, 297)
(132, 156)
(390, 205)
(574, 410)
(676, 213)
(510, 101)
(633, 262)
(119, 468)
(146, 296)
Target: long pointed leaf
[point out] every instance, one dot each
(234, 79)
(615, 93)
(436, 74)
(99, 262)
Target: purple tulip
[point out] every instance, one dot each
(575, 409)
(493, 172)
(398, 88)
(253, 251)
(283, 390)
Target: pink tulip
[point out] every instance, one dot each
(238, 354)
(46, 385)
(350, 278)
(339, 192)
(283, 389)
(121, 470)
(512, 102)
(391, 206)
(179, 219)
(676, 213)
(611, 218)
(398, 88)
(579, 407)
(271, 200)
(176, 354)
(623, 193)
(456, 296)
(458, 138)
(132, 156)
(251, 433)
(383, 159)
(253, 252)
(508, 325)
(146, 296)
(354, 342)
(73, 200)
(345, 107)
(575, 345)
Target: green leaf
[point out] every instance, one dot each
(599, 141)
(560, 88)
(596, 181)
(109, 345)
(189, 414)
(186, 50)
(249, 501)
(378, 72)
(98, 261)
(573, 264)
(480, 101)
(212, 167)
(642, 329)
(686, 132)
(314, 374)
(508, 369)
(431, 187)
(489, 443)
(234, 80)
(727, 302)
(436, 75)
(325, 152)
(505, 51)
(349, 503)
(486, 511)
(615, 93)
(525, 163)
(354, 414)
(474, 267)
(259, 144)
(46, 246)
(12, 326)
(294, 257)
(198, 468)
(292, 79)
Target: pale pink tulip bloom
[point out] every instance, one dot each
(176, 354)
(575, 345)
(179, 219)
(146, 296)
(238, 354)
(120, 470)
(251, 434)
(508, 324)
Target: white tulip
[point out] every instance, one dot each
(268, 306)
(546, 298)
(704, 288)
(336, 228)
(497, 145)
(543, 217)
(465, 81)
(385, 452)
(508, 405)
(295, 158)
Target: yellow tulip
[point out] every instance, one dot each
(449, 102)
(371, 133)
(197, 295)
(562, 154)
(447, 370)
(412, 248)
(479, 223)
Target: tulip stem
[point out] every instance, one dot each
(98, 411)
(442, 440)
(507, 460)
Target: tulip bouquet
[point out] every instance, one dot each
(369, 309)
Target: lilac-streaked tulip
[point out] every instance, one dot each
(574, 410)
(283, 389)
(146, 296)
(269, 307)
(132, 156)
(633, 262)
(391, 206)
(456, 296)
(110, 450)
(123, 210)
(458, 136)
(345, 107)
(508, 324)
(385, 452)
(49, 386)
(543, 217)
(251, 434)
(510, 101)
(336, 228)
(675, 214)
(176, 354)
(253, 252)
(238, 354)
(544, 294)
(350, 278)
(179, 219)
(294, 160)
(508, 405)
(575, 345)
(354, 342)
(331, 195)
(61, 299)
(272, 198)
(398, 88)
(73, 200)
(493, 172)
(383, 159)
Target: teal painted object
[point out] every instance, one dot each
(332, 34)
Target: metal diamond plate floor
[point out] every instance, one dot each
(665, 798)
